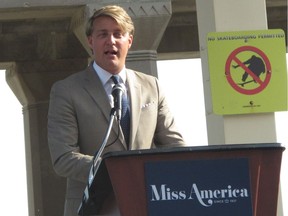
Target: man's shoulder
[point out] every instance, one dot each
(71, 80)
(141, 75)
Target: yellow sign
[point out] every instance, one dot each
(248, 71)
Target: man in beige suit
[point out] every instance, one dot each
(80, 106)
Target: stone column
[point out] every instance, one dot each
(31, 83)
(233, 15)
(144, 61)
(151, 20)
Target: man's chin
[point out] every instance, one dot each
(113, 67)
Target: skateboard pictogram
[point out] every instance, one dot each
(257, 70)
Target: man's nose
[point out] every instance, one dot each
(111, 38)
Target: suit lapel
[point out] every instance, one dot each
(135, 102)
(96, 90)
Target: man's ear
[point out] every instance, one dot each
(130, 40)
(89, 40)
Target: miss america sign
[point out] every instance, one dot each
(199, 187)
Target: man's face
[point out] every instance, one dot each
(109, 44)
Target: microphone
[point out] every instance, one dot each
(117, 92)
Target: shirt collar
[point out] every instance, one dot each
(105, 75)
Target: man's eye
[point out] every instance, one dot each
(117, 34)
(102, 35)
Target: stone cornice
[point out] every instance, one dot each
(149, 9)
(139, 8)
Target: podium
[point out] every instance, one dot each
(240, 179)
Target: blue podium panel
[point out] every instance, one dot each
(199, 187)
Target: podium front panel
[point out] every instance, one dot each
(199, 187)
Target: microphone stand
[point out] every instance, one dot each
(97, 157)
(96, 164)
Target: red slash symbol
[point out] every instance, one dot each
(257, 66)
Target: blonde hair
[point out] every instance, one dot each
(117, 13)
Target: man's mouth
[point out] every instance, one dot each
(110, 52)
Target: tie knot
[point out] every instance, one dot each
(116, 79)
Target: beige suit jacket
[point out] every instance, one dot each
(78, 117)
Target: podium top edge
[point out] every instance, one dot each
(224, 147)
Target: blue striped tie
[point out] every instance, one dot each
(125, 119)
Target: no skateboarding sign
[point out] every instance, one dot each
(248, 71)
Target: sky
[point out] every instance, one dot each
(12, 160)
(186, 101)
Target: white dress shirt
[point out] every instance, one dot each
(108, 83)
